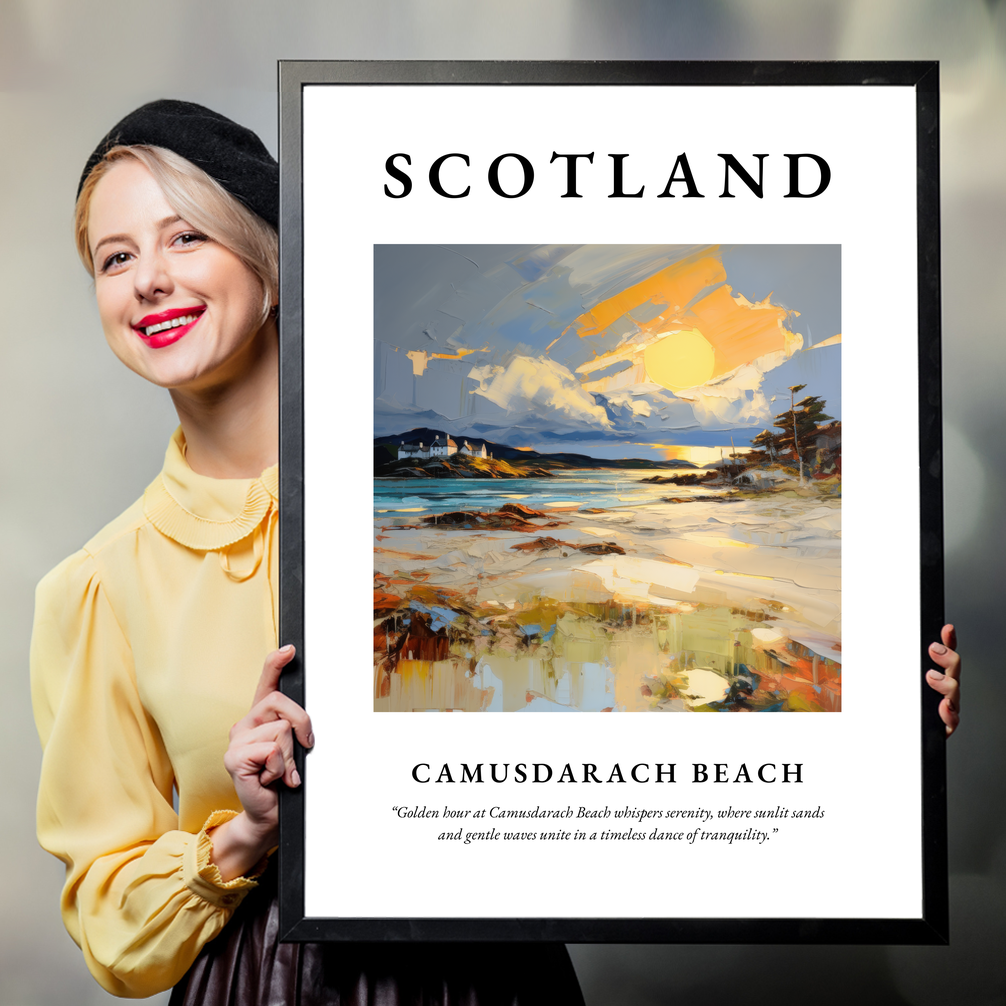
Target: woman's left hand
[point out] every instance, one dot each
(260, 754)
(948, 681)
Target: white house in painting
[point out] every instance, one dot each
(442, 447)
(475, 450)
(413, 452)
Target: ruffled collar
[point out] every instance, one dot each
(203, 513)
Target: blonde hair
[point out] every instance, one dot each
(199, 200)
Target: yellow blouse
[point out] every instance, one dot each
(147, 647)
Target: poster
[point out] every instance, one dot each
(609, 406)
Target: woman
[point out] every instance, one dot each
(148, 643)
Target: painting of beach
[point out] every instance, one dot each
(607, 478)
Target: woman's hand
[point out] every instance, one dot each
(948, 681)
(260, 753)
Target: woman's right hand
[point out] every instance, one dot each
(948, 681)
(260, 753)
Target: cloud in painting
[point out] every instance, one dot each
(735, 398)
(541, 386)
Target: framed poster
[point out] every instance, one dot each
(612, 390)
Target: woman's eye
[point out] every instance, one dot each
(190, 238)
(114, 261)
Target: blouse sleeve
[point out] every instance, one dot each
(141, 898)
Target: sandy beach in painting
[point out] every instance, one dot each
(595, 591)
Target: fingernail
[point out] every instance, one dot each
(287, 649)
(295, 777)
(936, 675)
(938, 648)
(310, 740)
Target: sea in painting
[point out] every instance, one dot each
(607, 478)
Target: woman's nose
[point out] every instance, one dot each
(152, 277)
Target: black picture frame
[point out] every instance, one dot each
(932, 925)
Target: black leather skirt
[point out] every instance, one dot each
(246, 965)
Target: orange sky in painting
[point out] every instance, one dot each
(420, 359)
(835, 340)
(673, 287)
(697, 455)
(738, 330)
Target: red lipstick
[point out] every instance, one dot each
(166, 327)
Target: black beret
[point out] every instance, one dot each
(230, 154)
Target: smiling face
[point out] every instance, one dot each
(177, 307)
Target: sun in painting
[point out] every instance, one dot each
(679, 360)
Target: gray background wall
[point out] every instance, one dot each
(82, 436)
